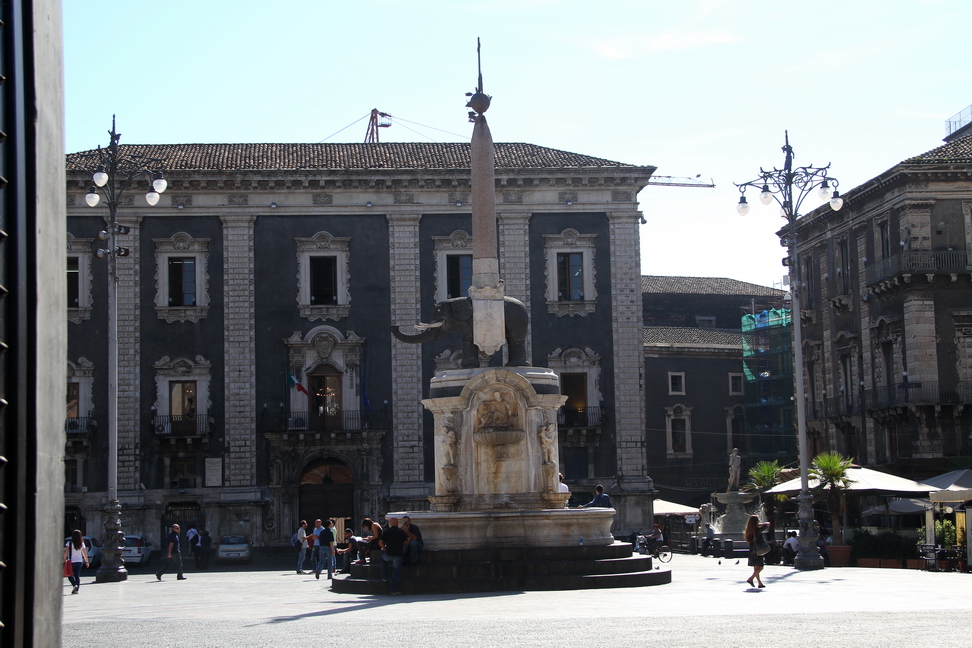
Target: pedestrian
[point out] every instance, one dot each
(415, 543)
(824, 539)
(371, 539)
(316, 544)
(791, 547)
(76, 552)
(754, 536)
(601, 499)
(350, 552)
(325, 544)
(192, 540)
(301, 539)
(173, 555)
(205, 550)
(395, 543)
(708, 540)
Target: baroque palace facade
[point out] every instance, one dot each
(887, 315)
(259, 382)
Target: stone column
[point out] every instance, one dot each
(408, 471)
(514, 255)
(129, 357)
(239, 428)
(634, 496)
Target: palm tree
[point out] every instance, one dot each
(830, 471)
(762, 477)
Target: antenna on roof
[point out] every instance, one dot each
(378, 120)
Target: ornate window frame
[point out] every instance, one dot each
(574, 360)
(81, 249)
(457, 243)
(680, 412)
(325, 345)
(181, 244)
(182, 369)
(323, 244)
(82, 373)
(570, 241)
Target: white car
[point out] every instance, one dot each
(136, 551)
(234, 548)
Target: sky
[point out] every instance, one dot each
(693, 87)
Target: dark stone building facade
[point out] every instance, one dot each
(265, 267)
(887, 315)
(695, 386)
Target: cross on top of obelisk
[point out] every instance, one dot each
(479, 102)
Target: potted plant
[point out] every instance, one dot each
(830, 471)
(864, 549)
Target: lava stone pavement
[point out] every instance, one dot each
(707, 604)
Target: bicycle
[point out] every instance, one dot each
(660, 552)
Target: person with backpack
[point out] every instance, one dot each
(192, 539)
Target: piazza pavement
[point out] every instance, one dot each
(707, 604)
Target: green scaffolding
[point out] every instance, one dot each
(768, 373)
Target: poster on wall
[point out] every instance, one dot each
(214, 471)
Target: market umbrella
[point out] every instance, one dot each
(955, 480)
(866, 481)
(671, 508)
(903, 506)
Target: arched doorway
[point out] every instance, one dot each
(326, 490)
(183, 514)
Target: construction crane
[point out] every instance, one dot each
(378, 120)
(675, 181)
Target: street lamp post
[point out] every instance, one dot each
(114, 174)
(789, 187)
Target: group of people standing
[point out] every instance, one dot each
(399, 545)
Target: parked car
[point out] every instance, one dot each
(92, 546)
(234, 548)
(136, 551)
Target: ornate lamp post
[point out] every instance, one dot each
(115, 173)
(789, 187)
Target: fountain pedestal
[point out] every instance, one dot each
(732, 523)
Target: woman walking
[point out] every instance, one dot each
(75, 552)
(754, 536)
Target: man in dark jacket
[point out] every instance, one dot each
(601, 499)
(395, 543)
(174, 554)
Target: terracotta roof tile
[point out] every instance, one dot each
(958, 151)
(404, 155)
(691, 336)
(653, 284)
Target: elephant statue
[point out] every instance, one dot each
(456, 316)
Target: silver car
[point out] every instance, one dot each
(234, 548)
(137, 550)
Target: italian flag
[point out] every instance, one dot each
(293, 382)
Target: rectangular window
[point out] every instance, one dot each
(844, 268)
(809, 280)
(73, 282)
(182, 406)
(570, 276)
(182, 281)
(458, 274)
(885, 235)
(73, 398)
(323, 280)
(705, 321)
(71, 476)
(678, 435)
(735, 384)
(573, 463)
(183, 472)
(676, 383)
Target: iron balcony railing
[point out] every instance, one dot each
(581, 416)
(181, 425)
(79, 425)
(920, 262)
(338, 421)
(919, 393)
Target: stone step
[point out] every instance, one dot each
(512, 569)
(507, 584)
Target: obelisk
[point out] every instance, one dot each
(486, 291)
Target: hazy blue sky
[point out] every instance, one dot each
(692, 87)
